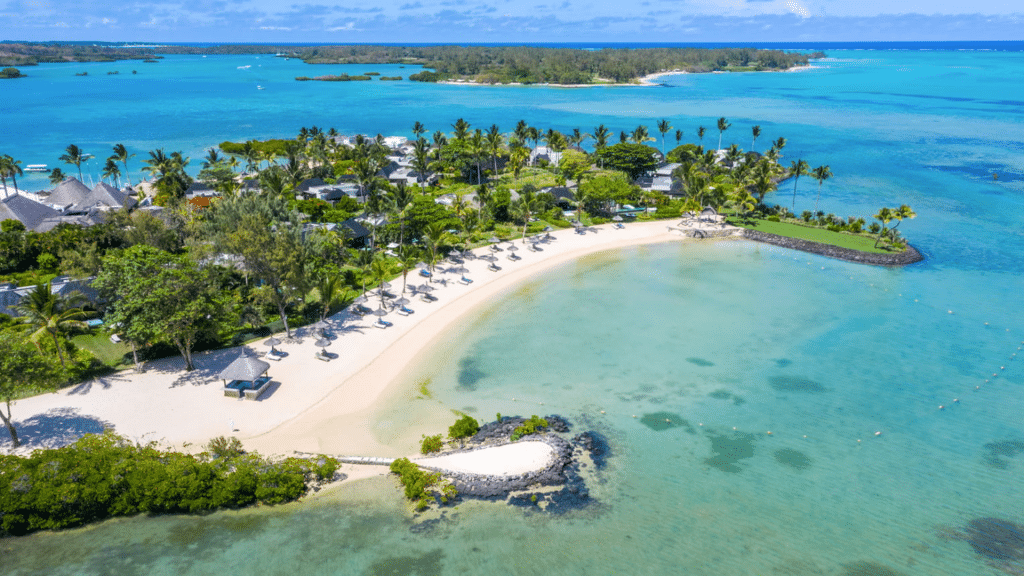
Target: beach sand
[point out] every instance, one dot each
(312, 405)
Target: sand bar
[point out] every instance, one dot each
(506, 460)
(311, 405)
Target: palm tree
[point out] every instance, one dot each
(756, 131)
(477, 147)
(73, 155)
(461, 128)
(522, 130)
(821, 173)
(532, 133)
(251, 155)
(700, 134)
(121, 155)
(679, 137)
(328, 284)
(9, 167)
(434, 235)
(113, 171)
(885, 215)
(5, 162)
(525, 206)
(663, 127)
(798, 168)
(518, 158)
(640, 135)
(418, 129)
(398, 203)
(763, 181)
(722, 127)
(421, 160)
(494, 143)
(52, 315)
(57, 176)
(903, 213)
(601, 135)
(381, 270)
(212, 158)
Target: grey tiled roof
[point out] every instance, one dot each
(25, 210)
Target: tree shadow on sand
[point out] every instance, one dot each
(54, 428)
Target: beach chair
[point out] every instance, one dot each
(321, 355)
(405, 311)
(619, 226)
(426, 273)
(382, 323)
(274, 355)
(428, 298)
(513, 257)
(465, 281)
(493, 267)
(361, 310)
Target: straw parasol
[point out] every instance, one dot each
(272, 341)
(617, 218)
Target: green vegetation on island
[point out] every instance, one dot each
(11, 72)
(104, 475)
(32, 53)
(334, 78)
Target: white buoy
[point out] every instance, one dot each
(602, 411)
(956, 400)
(878, 433)
(769, 432)
(942, 407)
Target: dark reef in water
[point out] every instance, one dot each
(729, 449)
(795, 459)
(997, 451)
(661, 421)
(863, 568)
(426, 564)
(996, 538)
(726, 395)
(469, 374)
(796, 384)
(700, 362)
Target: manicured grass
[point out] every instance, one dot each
(790, 230)
(98, 342)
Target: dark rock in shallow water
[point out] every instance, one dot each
(596, 444)
(796, 384)
(795, 459)
(996, 538)
(700, 362)
(869, 569)
(729, 449)
(426, 564)
(661, 421)
(997, 451)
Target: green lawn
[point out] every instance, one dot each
(855, 242)
(98, 342)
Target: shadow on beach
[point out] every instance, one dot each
(54, 428)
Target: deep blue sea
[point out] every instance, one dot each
(846, 365)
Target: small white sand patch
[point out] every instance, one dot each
(507, 460)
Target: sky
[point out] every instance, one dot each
(468, 21)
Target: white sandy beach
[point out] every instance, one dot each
(311, 406)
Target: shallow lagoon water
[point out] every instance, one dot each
(709, 336)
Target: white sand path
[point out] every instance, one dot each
(312, 406)
(504, 460)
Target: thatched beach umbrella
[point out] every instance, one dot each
(494, 239)
(617, 218)
(272, 341)
(425, 288)
(246, 368)
(489, 257)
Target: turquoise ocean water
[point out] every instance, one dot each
(727, 340)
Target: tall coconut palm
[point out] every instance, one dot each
(763, 181)
(57, 176)
(478, 147)
(525, 207)
(9, 168)
(73, 155)
(421, 160)
(495, 141)
(885, 215)
(640, 135)
(328, 285)
(798, 168)
(398, 203)
(903, 213)
(434, 235)
(522, 131)
(532, 133)
(212, 158)
(679, 137)
(700, 134)
(756, 131)
(418, 129)
(5, 162)
(723, 125)
(601, 135)
(461, 129)
(121, 155)
(518, 158)
(53, 316)
(821, 173)
(663, 127)
(112, 171)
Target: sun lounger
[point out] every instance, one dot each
(382, 323)
(274, 356)
(405, 311)
(323, 356)
(493, 267)
(619, 226)
(494, 248)
(465, 281)
(428, 298)
(513, 257)
(361, 310)
(425, 273)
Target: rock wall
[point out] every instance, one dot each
(908, 256)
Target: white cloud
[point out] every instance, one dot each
(798, 9)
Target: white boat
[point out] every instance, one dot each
(246, 67)
(258, 87)
(36, 168)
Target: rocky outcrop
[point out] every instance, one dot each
(908, 256)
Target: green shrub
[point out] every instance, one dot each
(431, 444)
(221, 447)
(529, 427)
(420, 486)
(773, 218)
(464, 427)
(104, 475)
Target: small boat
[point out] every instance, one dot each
(246, 67)
(36, 168)
(87, 156)
(258, 87)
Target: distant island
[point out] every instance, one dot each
(472, 64)
(11, 73)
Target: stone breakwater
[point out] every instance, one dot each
(908, 256)
(562, 470)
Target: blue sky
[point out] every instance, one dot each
(344, 21)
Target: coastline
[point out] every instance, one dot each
(648, 80)
(311, 406)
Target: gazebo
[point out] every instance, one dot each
(245, 377)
